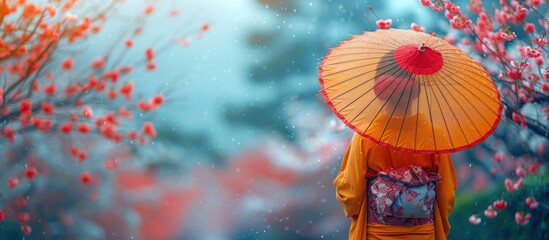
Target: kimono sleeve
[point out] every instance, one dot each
(445, 193)
(350, 182)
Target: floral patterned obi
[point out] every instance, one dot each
(402, 197)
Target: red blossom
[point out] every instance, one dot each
(12, 182)
(500, 204)
(50, 89)
(98, 63)
(26, 229)
(384, 24)
(85, 177)
(205, 27)
(25, 106)
(82, 156)
(126, 90)
(417, 28)
(48, 108)
(150, 66)
(66, 128)
(426, 3)
(128, 43)
(157, 100)
(529, 28)
(67, 64)
(149, 54)
(149, 10)
(83, 128)
(31, 173)
(149, 130)
(23, 217)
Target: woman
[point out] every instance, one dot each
(364, 159)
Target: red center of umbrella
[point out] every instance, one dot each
(419, 60)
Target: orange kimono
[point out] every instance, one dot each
(351, 190)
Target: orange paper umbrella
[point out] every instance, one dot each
(410, 91)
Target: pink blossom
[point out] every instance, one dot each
(509, 35)
(509, 185)
(532, 52)
(518, 184)
(426, 3)
(417, 28)
(498, 157)
(384, 24)
(490, 212)
(522, 219)
(520, 172)
(474, 220)
(529, 28)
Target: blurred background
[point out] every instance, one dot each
(246, 147)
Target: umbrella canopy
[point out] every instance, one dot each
(410, 91)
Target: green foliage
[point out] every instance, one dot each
(503, 226)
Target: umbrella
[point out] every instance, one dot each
(410, 91)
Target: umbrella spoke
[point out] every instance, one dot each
(469, 100)
(354, 53)
(461, 107)
(354, 68)
(460, 70)
(385, 102)
(408, 76)
(353, 60)
(362, 74)
(406, 111)
(398, 102)
(383, 44)
(443, 118)
(417, 113)
(369, 90)
(452, 111)
(430, 115)
(471, 86)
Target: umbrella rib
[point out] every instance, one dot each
(460, 106)
(451, 77)
(443, 118)
(439, 43)
(457, 73)
(363, 94)
(395, 43)
(353, 77)
(474, 86)
(353, 68)
(399, 98)
(383, 90)
(348, 61)
(408, 74)
(407, 106)
(355, 53)
(475, 73)
(452, 110)
(430, 116)
(383, 44)
(417, 114)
